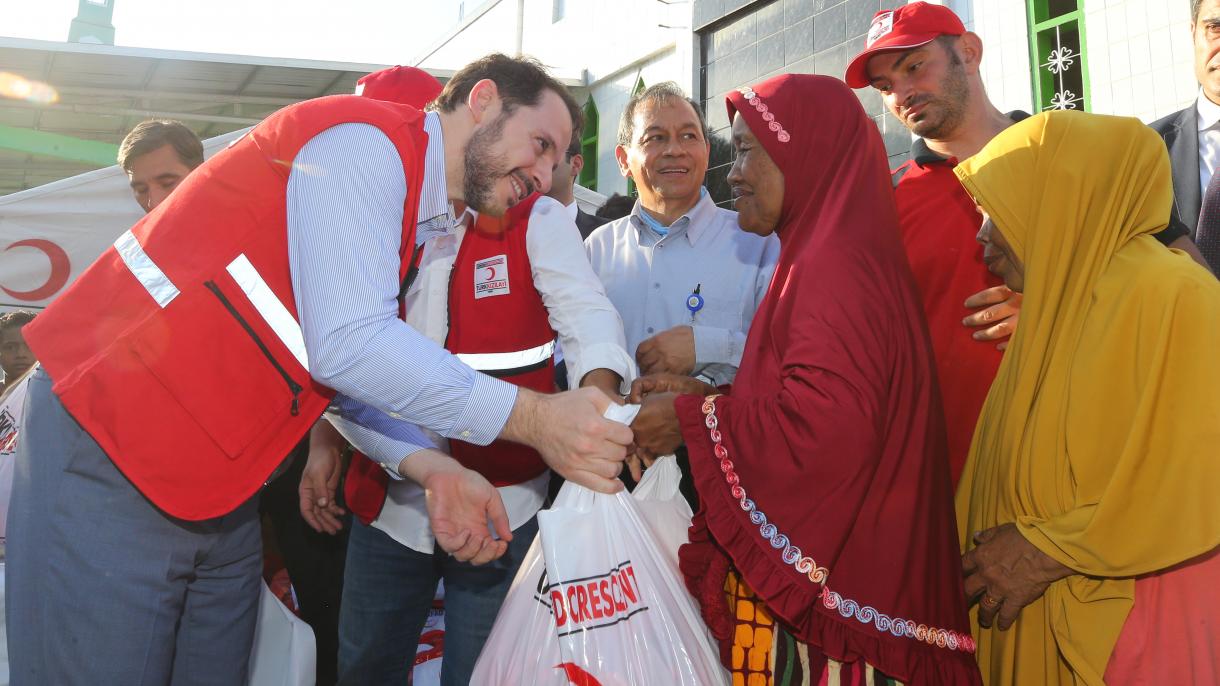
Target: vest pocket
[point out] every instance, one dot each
(222, 364)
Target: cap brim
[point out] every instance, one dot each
(856, 75)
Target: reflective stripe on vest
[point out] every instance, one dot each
(145, 270)
(269, 307)
(247, 277)
(498, 362)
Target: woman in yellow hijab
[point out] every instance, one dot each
(1088, 508)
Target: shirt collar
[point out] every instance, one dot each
(693, 223)
(434, 195)
(1208, 111)
(923, 155)
(572, 209)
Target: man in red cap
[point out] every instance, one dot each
(926, 66)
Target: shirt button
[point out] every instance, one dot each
(656, 285)
(650, 329)
(465, 434)
(395, 415)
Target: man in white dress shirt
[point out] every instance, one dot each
(684, 277)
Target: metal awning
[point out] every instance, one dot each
(103, 91)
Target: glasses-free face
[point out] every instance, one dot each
(154, 175)
(999, 256)
(668, 157)
(512, 154)
(926, 88)
(15, 355)
(756, 182)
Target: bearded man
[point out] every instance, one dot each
(182, 366)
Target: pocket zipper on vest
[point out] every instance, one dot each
(293, 386)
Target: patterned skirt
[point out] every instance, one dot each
(766, 654)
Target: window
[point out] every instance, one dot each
(639, 88)
(1057, 51)
(588, 147)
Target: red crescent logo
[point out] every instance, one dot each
(578, 676)
(492, 275)
(61, 267)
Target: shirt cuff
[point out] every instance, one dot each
(388, 452)
(486, 412)
(394, 469)
(604, 356)
(712, 345)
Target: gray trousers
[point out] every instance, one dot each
(104, 588)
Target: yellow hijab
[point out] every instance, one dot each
(1100, 435)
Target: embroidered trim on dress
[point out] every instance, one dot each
(791, 555)
(757, 103)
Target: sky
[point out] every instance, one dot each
(367, 31)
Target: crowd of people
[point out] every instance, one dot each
(941, 425)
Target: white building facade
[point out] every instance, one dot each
(1126, 57)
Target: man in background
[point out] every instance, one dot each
(157, 155)
(1193, 138)
(15, 356)
(684, 277)
(563, 186)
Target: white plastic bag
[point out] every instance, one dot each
(284, 652)
(522, 649)
(620, 608)
(667, 643)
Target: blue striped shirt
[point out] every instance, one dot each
(345, 203)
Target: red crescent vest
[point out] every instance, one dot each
(498, 325)
(179, 350)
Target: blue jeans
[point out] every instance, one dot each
(387, 591)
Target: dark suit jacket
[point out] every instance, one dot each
(1181, 133)
(587, 222)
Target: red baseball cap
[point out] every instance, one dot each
(403, 85)
(905, 28)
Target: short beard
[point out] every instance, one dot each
(954, 94)
(483, 168)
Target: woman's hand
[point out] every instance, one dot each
(656, 427)
(667, 383)
(1005, 572)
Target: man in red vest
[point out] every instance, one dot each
(182, 366)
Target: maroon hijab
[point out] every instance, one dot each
(833, 500)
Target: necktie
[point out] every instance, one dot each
(1207, 237)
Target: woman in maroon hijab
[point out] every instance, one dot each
(822, 472)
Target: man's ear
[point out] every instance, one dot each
(620, 154)
(970, 49)
(578, 163)
(484, 99)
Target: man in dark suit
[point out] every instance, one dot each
(1193, 134)
(563, 181)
